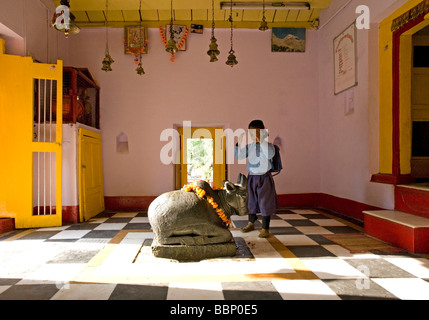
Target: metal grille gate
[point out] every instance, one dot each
(44, 163)
(30, 141)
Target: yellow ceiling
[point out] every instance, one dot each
(155, 13)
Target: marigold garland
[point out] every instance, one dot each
(135, 51)
(182, 42)
(192, 187)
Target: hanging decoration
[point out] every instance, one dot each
(171, 45)
(135, 43)
(63, 20)
(264, 24)
(232, 60)
(107, 61)
(213, 47)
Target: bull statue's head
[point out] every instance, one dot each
(237, 195)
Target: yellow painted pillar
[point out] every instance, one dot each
(2, 46)
(385, 97)
(405, 122)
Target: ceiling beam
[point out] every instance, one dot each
(205, 23)
(97, 5)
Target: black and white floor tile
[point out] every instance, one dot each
(109, 257)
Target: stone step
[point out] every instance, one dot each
(413, 198)
(401, 229)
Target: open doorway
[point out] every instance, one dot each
(420, 106)
(202, 156)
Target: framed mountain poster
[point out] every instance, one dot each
(288, 40)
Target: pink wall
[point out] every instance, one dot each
(280, 88)
(349, 143)
(25, 25)
(324, 150)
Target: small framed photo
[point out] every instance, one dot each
(178, 34)
(135, 40)
(345, 64)
(197, 28)
(288, 40)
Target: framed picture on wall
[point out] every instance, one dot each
(288, 40)
(178, 34)
(135, 40)
(345, 62)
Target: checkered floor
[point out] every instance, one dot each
(109, 257)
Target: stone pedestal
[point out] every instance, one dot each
(194, 253)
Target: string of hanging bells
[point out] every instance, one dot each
(139, 69)
(232, 60)
(107, 61)
(213, 51)
(171, 46)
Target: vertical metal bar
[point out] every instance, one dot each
(44, 140)
(38, 153)
(38, 110)
(44, 110)
(50, 111)
(50, 154)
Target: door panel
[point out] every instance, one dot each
(91, 187)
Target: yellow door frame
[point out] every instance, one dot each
(219, 167)
(389, 155)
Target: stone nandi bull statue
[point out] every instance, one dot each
(189, 227)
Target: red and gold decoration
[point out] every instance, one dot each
(419, 10)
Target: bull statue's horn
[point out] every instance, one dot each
(242, 180)
(230, 187)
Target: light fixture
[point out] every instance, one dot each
(272, 5)
(213, 48)
(232, 60)
(264, 24)
(63, 20)
(171, 44)
(107, 61)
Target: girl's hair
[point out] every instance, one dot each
(256, 124)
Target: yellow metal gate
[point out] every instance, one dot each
(30, 141)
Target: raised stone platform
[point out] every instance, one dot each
(194, 253)
(401, 229)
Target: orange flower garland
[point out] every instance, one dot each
(182, 42)
(135, 51)
(202, 193)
